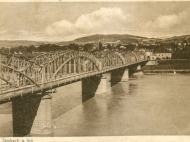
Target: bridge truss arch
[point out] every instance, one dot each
(129, 56)
(52, 66)
(70, 63)
(17, 62)
(110, 59)
(47, 57)
(141, 55)
(17, 72)
(16, 78)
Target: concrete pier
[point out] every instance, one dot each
(138, 67)
(31, 115)
(102, 86)
(138, 71)
(125, 76)
(43, 121)
(89, 87)
(93, 85)
(117, 76)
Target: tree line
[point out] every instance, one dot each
(88, 47)
(182, 52)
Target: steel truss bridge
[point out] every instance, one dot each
(52, 69)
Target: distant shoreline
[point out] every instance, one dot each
(173, 71)
(168, 66)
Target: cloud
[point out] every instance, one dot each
(22, 32)
(104, 20)
(61, 27)
(168, 22)
(4, 31)
(21, 35)
(108, 20)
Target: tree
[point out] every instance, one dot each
(100, 46)
(73, 46)
(88, 47)
(31, 49)
(109, 46)
(118, 46)
(131, 47)
(2, 49)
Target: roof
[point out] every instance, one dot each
(163, 53)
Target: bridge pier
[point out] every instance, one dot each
(31, 115)
(92, 86)
(125, 76)
(102, 86)
(138, 70)
(89, 87)
(43, 121)
(118, 75)
(138, 67)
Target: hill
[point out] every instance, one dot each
(16, 43)
(176, 39)
(109, 38)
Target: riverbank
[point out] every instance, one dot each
(168, 66)
(173, 71)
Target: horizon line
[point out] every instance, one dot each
(158, 37)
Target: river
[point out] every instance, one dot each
(146, 105)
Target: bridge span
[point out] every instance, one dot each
(27, 83)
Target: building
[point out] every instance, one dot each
(169, 48)
(149, 53)
(152, 60)
(151, 57)
(163, 55)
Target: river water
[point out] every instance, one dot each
(145, 105)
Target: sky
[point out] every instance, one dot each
(64, 21)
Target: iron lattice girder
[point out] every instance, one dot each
(46, 58)
(14, 72)
(64, 58)
(141, 55)
(7, 81)
(35, 70)
(124, 56)
(96, 58)
(16, 62)
(113, 58)
(128, 56)
(73, 54)
(104, 54)
(15, 68)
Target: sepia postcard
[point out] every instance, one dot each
(94, 71)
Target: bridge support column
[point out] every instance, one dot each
(31, 114)
(43, 123)
(117, 76)
(93, 85)
(138, 70)
(89, 87)
(102, 86)
(125, 76)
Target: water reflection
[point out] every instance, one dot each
(6, 120)
(150, 105)
(66, 98)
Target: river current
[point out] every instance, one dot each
(144, 105)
